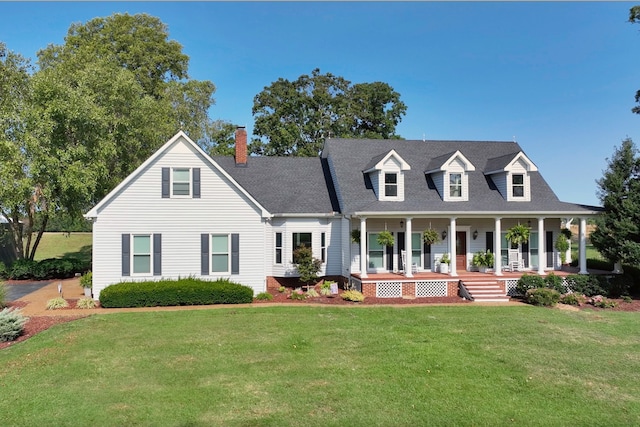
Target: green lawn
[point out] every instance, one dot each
(329, 366)
(58, 245)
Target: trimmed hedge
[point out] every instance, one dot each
(162, 293)
(51, 268)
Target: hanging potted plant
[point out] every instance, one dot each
(518, 234)
(430, 236)
(355, 236)
(385, 238)
(562, 246)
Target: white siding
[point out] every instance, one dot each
(438, 179)
(139, 208)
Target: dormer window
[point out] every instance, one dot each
(455, 185)
(386, 173)
(517, 185)
(391, 185)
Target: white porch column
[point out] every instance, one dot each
(497, 248)
(542, 255)
(452, 246)
(582, 242)
(407, 248)
(363, 247)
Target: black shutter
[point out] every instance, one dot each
(401, 248)
(204, 254)
(389, 250)
(126, 255)
(525, 254)
(196, 183)
(165, 183)
(489, 241)
(235, 254)
(157, 254)
(548, 242)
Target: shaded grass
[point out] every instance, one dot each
(329, 366)
(65, 245)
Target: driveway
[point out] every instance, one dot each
(15, 291)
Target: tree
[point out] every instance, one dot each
(617, 235)
(219, 138)
(634, 18)
(294, 118)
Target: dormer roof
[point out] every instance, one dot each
(377, 163)
(506, 162)
(442, 163)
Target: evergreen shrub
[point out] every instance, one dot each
(187, 291)
(527, 282)
(586, 284)
(542, 296)
(11, 324)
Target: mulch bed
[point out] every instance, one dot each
(37, 324)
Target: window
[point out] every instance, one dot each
(376, 252)
(181, 181)
(323, 245)
(142, 254)
(534, 257)
(278, 248)
(391, 184)
(300, 239)
(416, 248)
(517, 185)
(455, 185)
(220, 253)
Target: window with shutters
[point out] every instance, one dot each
(181, 182)
(141, 253)
(220, 253)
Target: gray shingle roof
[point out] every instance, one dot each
(350, 157)
(296, 185)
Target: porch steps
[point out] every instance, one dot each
(483, 290)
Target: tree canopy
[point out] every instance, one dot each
(292, 118)
(617, 235)
(97, 107)
(634, 18)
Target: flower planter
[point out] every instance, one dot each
(444, 268)
(87, 292)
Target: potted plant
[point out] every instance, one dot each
(483, 260)
(444, 263)
(562, 246)
(430, 236)
(86, 281)
(385, 238)
(518, 234)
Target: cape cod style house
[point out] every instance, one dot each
(184, 213)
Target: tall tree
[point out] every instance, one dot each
(634, 18)
(617, 235)
(292, 118)
(219, 138)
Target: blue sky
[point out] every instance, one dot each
(560, 78)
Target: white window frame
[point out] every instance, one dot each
(395, 185)
(227, 253)
(323, 247)
(134, 254)
(417, 253)
(371, 268)
(523, 185)
(174, 181)
(277, 248)
(293, 242)
(459, 184)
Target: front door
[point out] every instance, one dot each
(461, 250)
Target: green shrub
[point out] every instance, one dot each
(187, 291)
(627, 299)
(23, 269)
(555, 282)
(4, 272)
(527, 282)
(353, 295)
(602, 302)
(86, 303)
(86, 281)
(11, 324)
(326, 284)
(573, 299)
(634, 276)
(264, 296)
(54, 268)
(586, 284)
(297, 294)
(542, 296)
(281, 289)
(307, 266)
(617, 285)
(57, 303)
(3, 295)
(312, 293)
(325, 291)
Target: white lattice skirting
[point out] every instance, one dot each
(431, 288)
(389, 289)
(510, 287)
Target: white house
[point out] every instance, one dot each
(184, 213)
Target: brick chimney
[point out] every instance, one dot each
(241, 146)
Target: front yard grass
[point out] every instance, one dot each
(329, 366)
